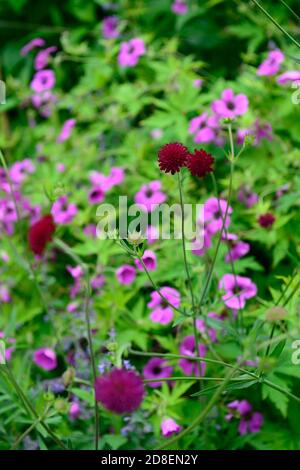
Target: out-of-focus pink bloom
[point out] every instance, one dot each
(43, 80)
(4, 295)
(162, 312)
(202, 327)
(204, 128)
(188, 348)
(258, 130)
(198, 82)
(238, 289)
(149, 196)
(156, 134)
(96, 195)
(199, 247)
(130, 52)
(90, 230)
(36, 42)
(249, 422)
(72, 307)
(20, 170)
(75, 271)
(44, 102)
(290, 76)
(169, 427)
(60, 167)
(97, 282)
(214, 212)
(110, 28)
(152, 234)
(271, 65)
(42, 57)
(126, 274)
(8, 212)
(74, 411)
(179, 7)
(45, 358)
(115, 177)
(247, 197)
(62, 211)
(149, 260)
(66, 130)
(157, 368)
(237, 248)
(230, 105)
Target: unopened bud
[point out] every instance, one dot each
(274, 314)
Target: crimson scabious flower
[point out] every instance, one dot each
(200, 163)
(40, 234)
(120, 390)
(266, 220)
(172, 157)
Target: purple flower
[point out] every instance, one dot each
(157, 368)
(60, 167)
(214, 212)
(162, 312)
(4, 295)
(238, 289)
(156, 134)
(97, 282)
(96, 195)
(41, 59)
(36, 42)
(290, 76)
(62, 211)
(202, 327)
(110, 27)
(130, 52)
(198, 82)
(45, 358)
(120, 390)
(149, 196)
(200, 247)
(149, 259)
(230, 105)
(204, 128)
(247, 197)
(76, 271)
(237, 249)
(179, 7)
(66, 130)
(7, 211)
(90, 230)
(43, 80)
(126, 274)
(271, 65)
(188, 348)
(74, 411)
(152, 234)
(115, 177)
(249, 422)
(169, 427)
(44, 102)
(20, 170)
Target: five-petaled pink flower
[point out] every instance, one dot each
(162, 312)
(238, 289)
(230, 105)
(130, 52)
(149, 196)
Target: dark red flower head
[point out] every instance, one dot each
(266, 220)
(120, 390)
(200, 163)
(172, 157)
(40, 234)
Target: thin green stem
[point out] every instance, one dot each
(186, 266)
(262, 9)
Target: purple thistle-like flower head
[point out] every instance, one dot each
(120, 390)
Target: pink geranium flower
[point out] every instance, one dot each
(204, 128)
(66, 130)
(20, 170)
(237, 248)
(45, 358)
(42, 57)
(238, 289)
(169, 427)
(62, 211)
(230, 105)
(36, 42)
(126, 274)
(110, 28)
(149, 259)
(157, 368)
(188, 348)
(214, 212)
(271, 65)
(290, 76)
(42, 81)
(179, 7)
(149, 196)
(130, 52)
(250, 422)
(162, 312)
